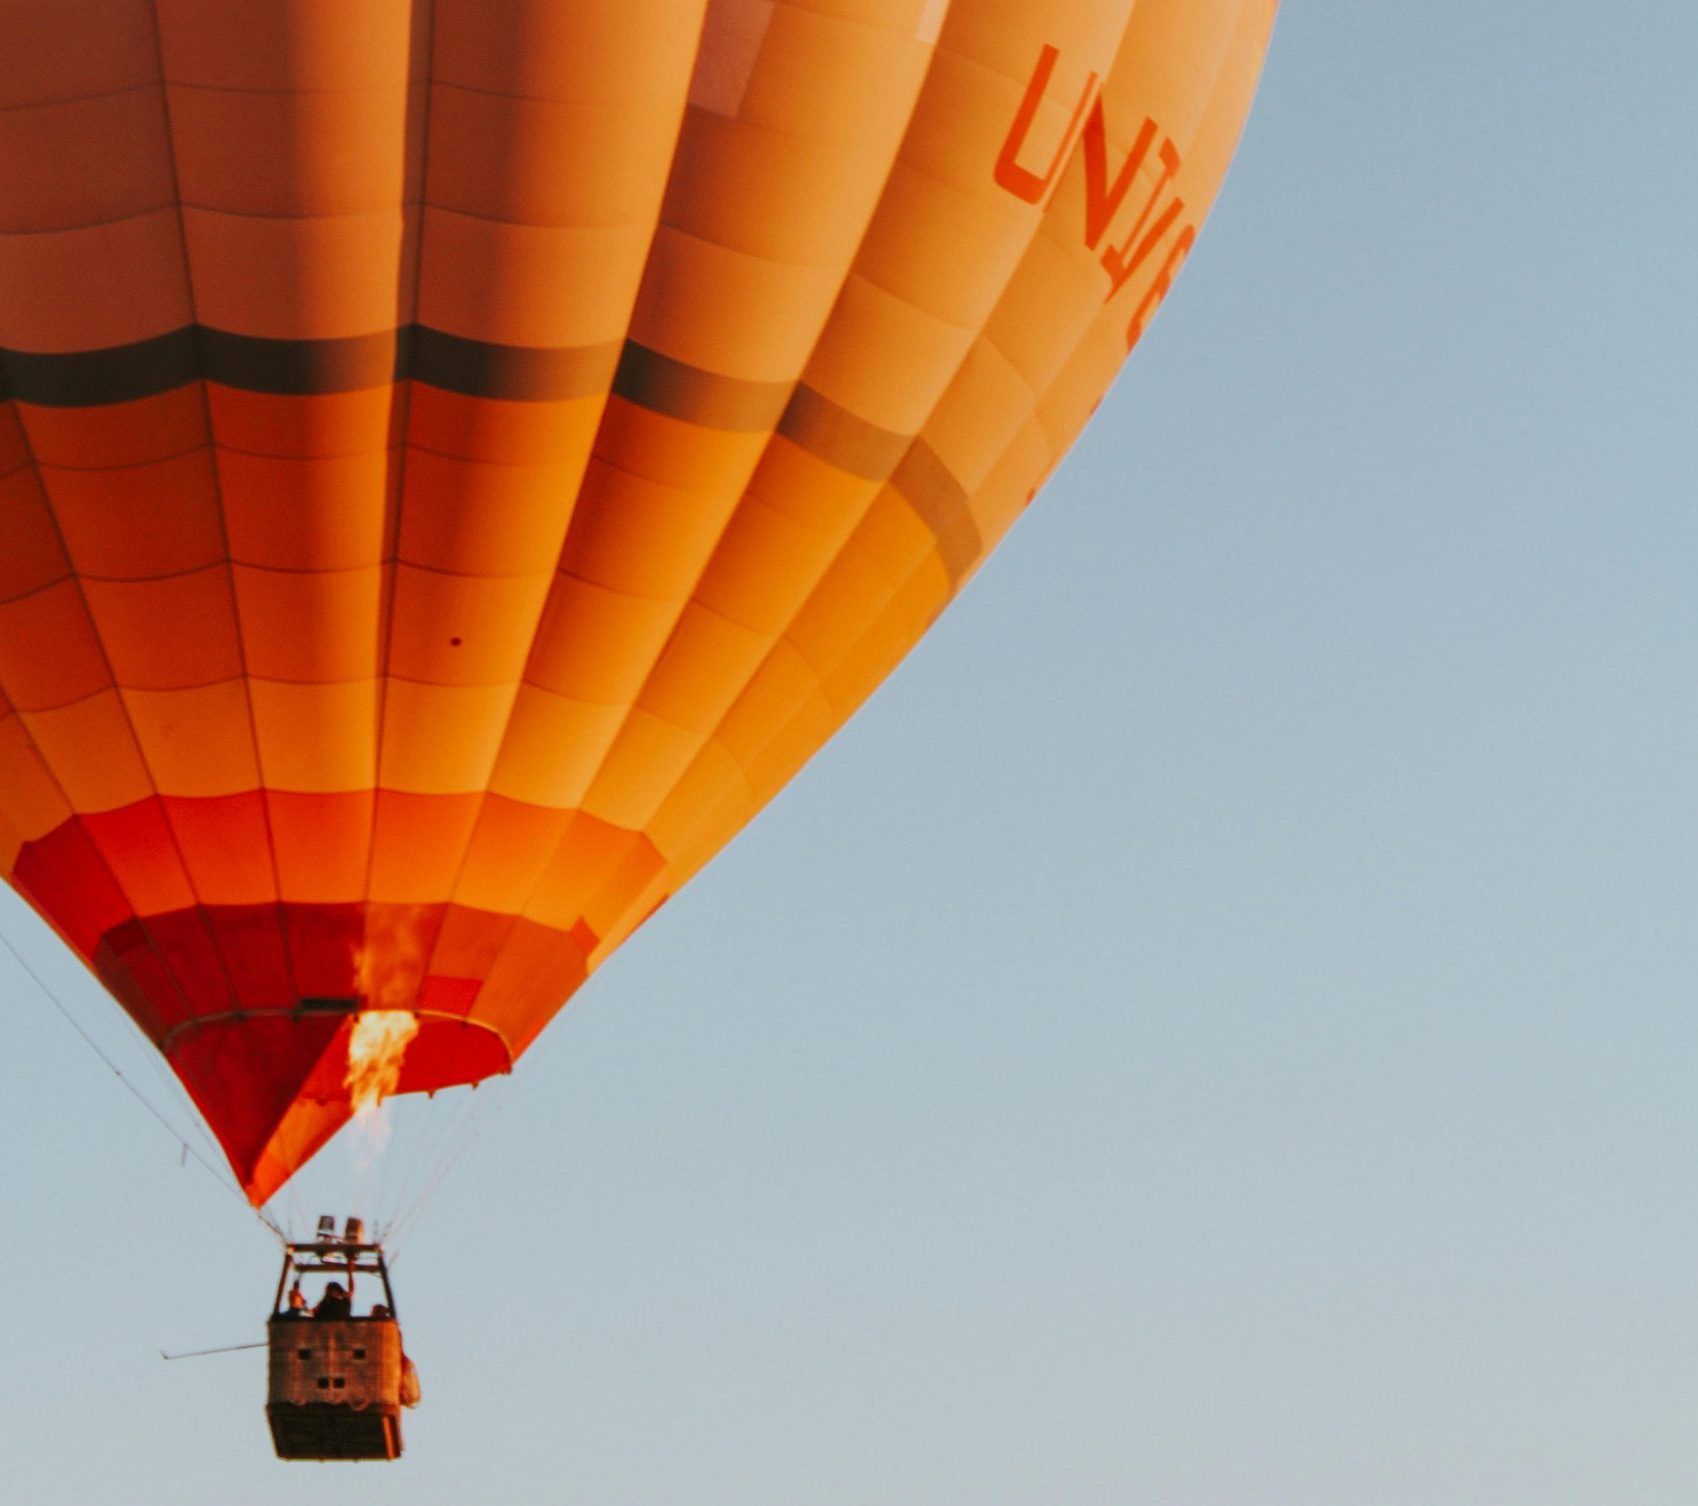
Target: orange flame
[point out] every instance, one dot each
(375, 1050)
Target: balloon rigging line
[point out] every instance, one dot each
(412, 1182)
(466, 1130)
(425, 1150)
(135, 1092)
(176, 1092)
(409, 1219)
(392, 1183)
(265, 1218)
(173, 1088)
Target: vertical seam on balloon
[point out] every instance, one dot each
(850, 272)
(229, 565)
(771, 430)
(1052, 212)
(635, 838)
(912, 574)
(932, 16)
(395, 499)
(506, 731)
(627, 711)
(909, 449)
(1247, 29)
(64, 794)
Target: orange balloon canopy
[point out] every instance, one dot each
(460, 459)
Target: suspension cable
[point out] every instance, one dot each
(187, 1149)
(457, 1138)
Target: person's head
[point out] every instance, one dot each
(335, 1289)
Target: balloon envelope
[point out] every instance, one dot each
(459, 460)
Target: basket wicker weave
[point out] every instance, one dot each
(335, 1389)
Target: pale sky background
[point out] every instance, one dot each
(1217, 1029)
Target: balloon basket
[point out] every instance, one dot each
(337, 1381)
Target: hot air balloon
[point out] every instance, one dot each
(460, 459)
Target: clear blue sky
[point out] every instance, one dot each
(1217, 1029)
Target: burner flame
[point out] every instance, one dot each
(375, 1051)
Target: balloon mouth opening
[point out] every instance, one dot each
(315, 1067)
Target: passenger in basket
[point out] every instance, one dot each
(335, 1303)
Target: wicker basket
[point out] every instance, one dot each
(335, 1388)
